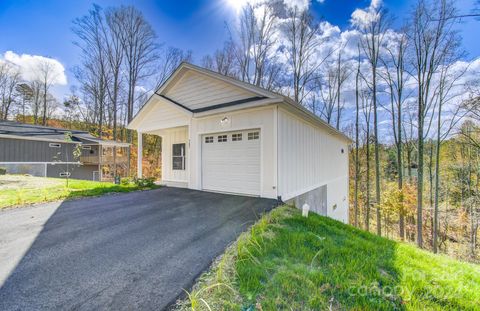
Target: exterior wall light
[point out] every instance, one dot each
(225, 121)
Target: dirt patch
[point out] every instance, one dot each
(13, 182)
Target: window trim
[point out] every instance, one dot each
(182, 156)
(254, 135)
(86, 147)
(55, 145)
(65, 174)
(237, 137)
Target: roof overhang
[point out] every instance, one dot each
(155, 100)
(106, 143)
(253, 104)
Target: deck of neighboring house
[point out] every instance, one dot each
(49, 152)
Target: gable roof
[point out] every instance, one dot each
(258, 96)
(47, 133)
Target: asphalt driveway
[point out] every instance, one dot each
(120, 252)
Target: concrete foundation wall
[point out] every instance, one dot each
(84, 172)
(316, 199)
(327, 200)
(34, 169)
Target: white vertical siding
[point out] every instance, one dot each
(170, 137)
(309, 157)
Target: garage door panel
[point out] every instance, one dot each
(231, 166)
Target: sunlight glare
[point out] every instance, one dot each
(236, 5)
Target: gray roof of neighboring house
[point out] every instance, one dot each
(39, 132)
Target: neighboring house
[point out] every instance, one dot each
(46, 152)
(221, 134)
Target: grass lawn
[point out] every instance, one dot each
(16, 190)
(288, 262)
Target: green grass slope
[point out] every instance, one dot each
(18, 190)
(288, 262)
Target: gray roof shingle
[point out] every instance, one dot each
(46, 132)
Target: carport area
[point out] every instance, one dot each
(125, 251)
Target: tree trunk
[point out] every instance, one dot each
(44, 118)
(437, 182)
(420, 179)
(367, 217)
(377, 155)
(357, 164)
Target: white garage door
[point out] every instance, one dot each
(231, 162)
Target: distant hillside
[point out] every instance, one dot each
(288, 262)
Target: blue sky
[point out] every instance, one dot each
(44, 27)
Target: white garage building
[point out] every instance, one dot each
(221, 134)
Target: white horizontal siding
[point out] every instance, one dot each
(309, 157)
(162, 115)
(232, 166)
(197, 91)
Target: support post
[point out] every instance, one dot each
(139, 154)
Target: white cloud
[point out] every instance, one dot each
(361, 17)
(29, 66)
(376, 3)
(300, 4)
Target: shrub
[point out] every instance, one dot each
(126, 181)
(3, 171)
(145, 182)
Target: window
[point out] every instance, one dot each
(209, 139)
(64, 174)
(237, 137)
(253, 135)
(178, 156)
(222, 138)
(54, 145)
(87, 147)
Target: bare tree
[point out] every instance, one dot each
(326, 85)
(331, 88)
(373, 31)
(170, 59)
(366, 100)
(357, 143)
(139, 46)
(9, 79)
(302, 36)
(223, 60)
(252, 43)
(395, 76)
(114, 55)
(26, 94)
(36, 101)
(444, 94)
(95, 74)
(430, 32)
(46, 76)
